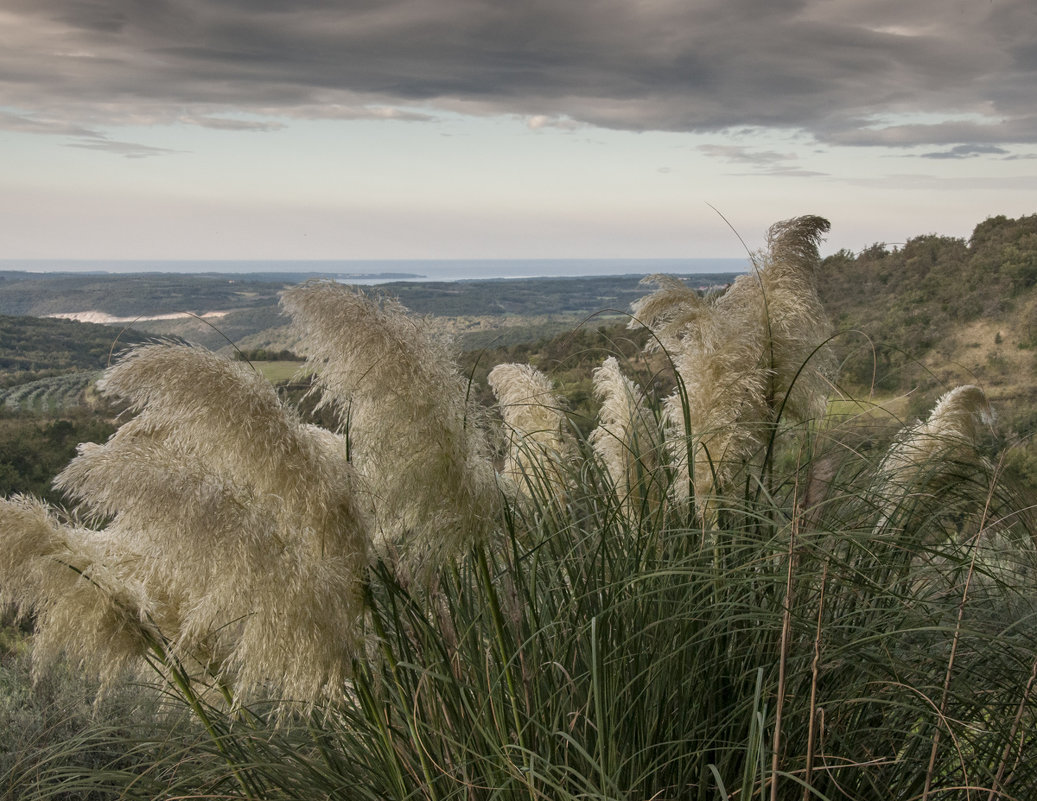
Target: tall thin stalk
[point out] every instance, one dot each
(955, 641)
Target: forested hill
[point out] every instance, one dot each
(31, 347)
(941, 303)
(131, 295)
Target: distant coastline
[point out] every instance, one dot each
(377, 271)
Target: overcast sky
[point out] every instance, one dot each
(307, 129)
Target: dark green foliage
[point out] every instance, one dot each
(263, 355)
(34, 448)
(133, 294)
(33, 347)
(907, 301)
(527, 296)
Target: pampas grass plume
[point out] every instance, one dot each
(948, 435)
(209, 492)
(415, 439)
(539, 445)
(753, 354)
(930, 454)
(671, 312)
(628, 439)
(82, 603)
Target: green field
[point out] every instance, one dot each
(277, 372)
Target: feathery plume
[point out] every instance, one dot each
(84, 604)
(671, 312)
(414, 438)
(951, 429)
(800, 365)
(744, 358)
(925, 455)
(209, 492)
(539, 446)
(628, 439)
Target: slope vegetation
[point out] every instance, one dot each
(939, 310)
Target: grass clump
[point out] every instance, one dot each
(723, 594)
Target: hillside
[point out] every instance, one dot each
(243, 309)
(151, 294)
(33, 347)
(129, 295)
(940, 310)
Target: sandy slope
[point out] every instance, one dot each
(102, 317)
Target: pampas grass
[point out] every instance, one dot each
(83, 602)
(950, 432)
(539, 445)
(745, 359)
(214, 487)
(209, 491)
(932, 461)
(846, 617)
(394, 383)
(628, 440)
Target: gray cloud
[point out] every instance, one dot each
(131, 150)
(740, 154)
(27, 124)
(226, 124)
(765, 162)
(966, 152)
(844, 71)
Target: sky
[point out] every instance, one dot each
(478, 129)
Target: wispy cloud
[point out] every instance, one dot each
(740, 154)
(767, 162)
(538, 121)
(21, 123)
(966, 152)
(228, 124)
(130, 150)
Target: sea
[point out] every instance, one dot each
(384, 271)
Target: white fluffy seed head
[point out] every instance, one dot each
(628, 440)
(671, 313)
(85, 604)
(924, 455)
(414, 437)
(223, 412)
(743, 358)
(539, 446)
(231, 508)
(951, 430)
(960, 414)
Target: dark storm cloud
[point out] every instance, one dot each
(845, 71)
